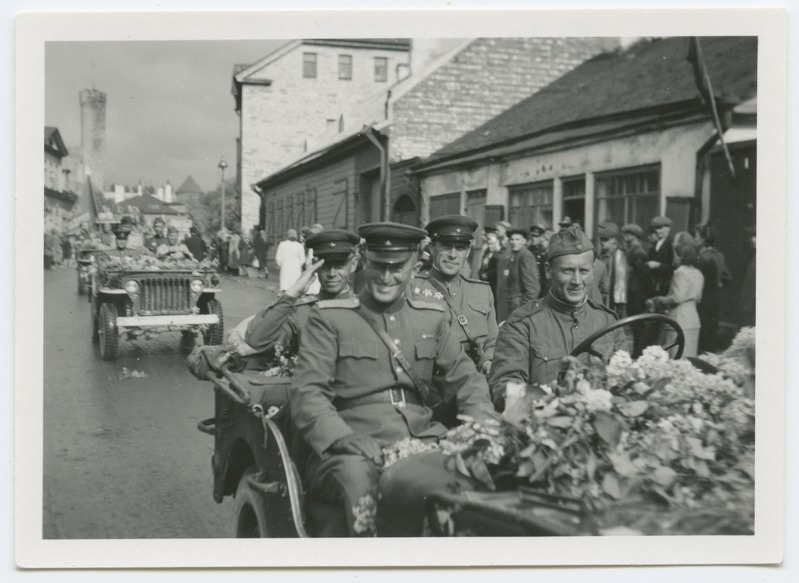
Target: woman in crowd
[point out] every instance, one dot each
(713, 267)
(685, 292)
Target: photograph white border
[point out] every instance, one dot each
(766, 546)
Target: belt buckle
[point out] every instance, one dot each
(401, 403)
(462, 320)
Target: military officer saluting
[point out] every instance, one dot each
(538, 335)
(364, 377)
(335, 259)
(469, 301)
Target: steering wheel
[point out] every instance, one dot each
(586, 345)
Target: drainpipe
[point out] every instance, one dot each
(369, 132)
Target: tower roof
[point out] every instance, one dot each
(189, 186)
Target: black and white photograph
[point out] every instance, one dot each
(468, 283)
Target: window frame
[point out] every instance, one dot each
(445, 198)
(534, 211)
(342, 59)
(381, 71)
(631, 200)
(306, 63)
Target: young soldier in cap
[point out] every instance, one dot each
(172, 248)
(154, 242)
(469, 301)
(521, 276)
(121, 233)
(365, 377)
(335, 259)
(536, 337)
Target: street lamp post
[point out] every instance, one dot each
(222, 166)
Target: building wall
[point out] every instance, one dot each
(52, 171)
(276, 119)
(479, 83)
(674, 149)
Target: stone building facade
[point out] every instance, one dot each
(298, 91)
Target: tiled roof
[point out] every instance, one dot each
(649, 75)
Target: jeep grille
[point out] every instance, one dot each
(164, 295)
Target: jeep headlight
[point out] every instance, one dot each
(197, 285)
(131, 286)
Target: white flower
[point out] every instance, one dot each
(598, 400)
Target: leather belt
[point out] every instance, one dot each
(397, 396)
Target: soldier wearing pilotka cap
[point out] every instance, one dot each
(365, 379)
(532, 342)
(469, 302)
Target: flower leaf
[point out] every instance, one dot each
(608, 428)
(563, 421)
(634, 408)
(622, 465)
(664, 476)
(610, 485)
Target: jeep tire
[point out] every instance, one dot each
(249, 512)
(107, 331)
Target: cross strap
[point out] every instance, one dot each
(418, 383)
(459, 317)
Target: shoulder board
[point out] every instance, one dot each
(306, 299)
(425, 305)
(339, 303)
(470, 280)
(602, 307)
(526, 310)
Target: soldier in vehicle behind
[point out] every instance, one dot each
(173, 248)
(532, 342)
(335, 260)
(154, 242)
(469, 301)
(365, 378)
(122, 232)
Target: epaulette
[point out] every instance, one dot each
(528, 309)
(422, 275)
(425, 305)
(339, 303)
(306, 299)
(602, 307)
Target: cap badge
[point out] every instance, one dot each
(387, 243)
(332, 244)
(458, 230)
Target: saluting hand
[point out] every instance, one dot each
(359, 444)
(304, 281)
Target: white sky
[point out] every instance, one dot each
(169, 109)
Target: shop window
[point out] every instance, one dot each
(628, 196)
(531, 204)
(574, 200)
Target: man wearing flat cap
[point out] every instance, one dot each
(365, 379)
(532, 342)
(661, 255)
(335, 259)
(520, 273)
(537, 243)
(469, 302)
(616, 261)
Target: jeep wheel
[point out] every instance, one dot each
(107, 330)
(215, 332)
(249, 512)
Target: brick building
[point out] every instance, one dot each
(299, 90)
(623, 137)
(359, 171)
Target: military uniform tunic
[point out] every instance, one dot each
(341, 358)
(470, 298)
(532, 342)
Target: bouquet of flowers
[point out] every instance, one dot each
(284, 363)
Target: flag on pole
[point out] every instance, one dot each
(705, 86)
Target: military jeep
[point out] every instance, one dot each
(130, 301)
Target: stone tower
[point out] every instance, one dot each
(92, 135)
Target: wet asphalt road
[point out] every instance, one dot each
(123, 457)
